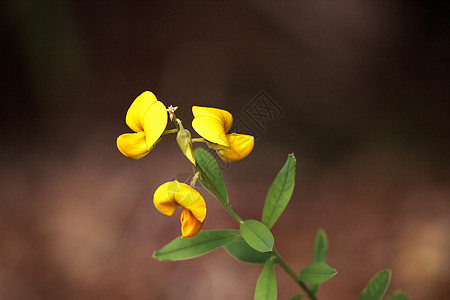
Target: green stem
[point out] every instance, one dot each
(169, 131)
(178, 124)
(293, 275)
(280, 260)
(198, 140)
(233, 214)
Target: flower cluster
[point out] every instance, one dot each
(148, 118)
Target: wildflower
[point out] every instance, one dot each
(170, 195)
(213, 124)
(147, 117)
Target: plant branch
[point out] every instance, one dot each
(198, 140)
(293, 275)
(280, 260)
(169, 131)
(233, 214)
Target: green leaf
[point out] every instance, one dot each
(266, 287)
(398, 295)
(203, 242)
(243, 252)
(320, 253)
(377, 286)
(317, 273)
(314, 288)
(297, 297)
(279, 193)
(320, 247)
(257, 235)
(211, 175)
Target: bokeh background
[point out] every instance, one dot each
(364, 91)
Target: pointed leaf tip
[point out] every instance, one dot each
(320, 247)
(377, 286)
(280, 192)
(317, 273)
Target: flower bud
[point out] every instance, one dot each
(185, 143)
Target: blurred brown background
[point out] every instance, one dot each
(364, 91)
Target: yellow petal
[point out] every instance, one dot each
(133, 145)
(138, 109)
(190, 226)
(192, 200)
(163, 198)
(190, 154)
(212, 124)
(171, 194)
(154, 123)
(240, 146)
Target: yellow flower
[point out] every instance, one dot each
(240, 146)
(170, 195)
(147, 117)
(213, 124)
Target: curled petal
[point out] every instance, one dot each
(154, 123)
(212, 124)
(240, 146)
(133, 145)
(171, 194)
(138, 109)
(163, 198)
(191, 199)
(190, 225)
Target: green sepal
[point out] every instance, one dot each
(185, 143)
(203, 242)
